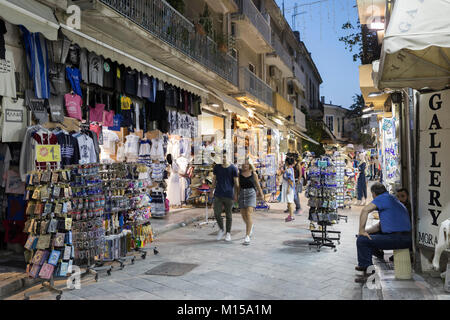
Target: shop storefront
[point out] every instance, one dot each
(86, 135)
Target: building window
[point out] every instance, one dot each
(251, 67)
(330, 123)
(339, 125)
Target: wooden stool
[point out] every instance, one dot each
(402, 264)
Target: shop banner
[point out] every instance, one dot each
(434, 167)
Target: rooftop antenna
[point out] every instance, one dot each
(295, 14)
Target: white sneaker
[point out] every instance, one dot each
(247, 240)
(220, 235)
(251, 230)
(228, 237)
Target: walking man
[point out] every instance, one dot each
(225, 182)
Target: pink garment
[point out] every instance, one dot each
(73, 105)
(108, 118)
(97, 129)
(96, 114)
(167, 205)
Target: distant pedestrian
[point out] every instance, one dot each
(361, 185)
(249, 187)
(288, 188)
(224, 182)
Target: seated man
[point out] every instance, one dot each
(395, 228)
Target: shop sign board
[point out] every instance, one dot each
(48, 153)
(434, 168)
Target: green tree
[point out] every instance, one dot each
(353, 40)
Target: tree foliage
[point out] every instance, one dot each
(353, 41)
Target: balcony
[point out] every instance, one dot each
(254, 91)
(165, 23)
(283, 106)
(299, 77)
(280, 58)
(300, 119)
(252, 27)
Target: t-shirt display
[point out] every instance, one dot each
(131, 82)
(73, 105)
(14, 120)
(108, 74)
(119, 78)
(7, 76)
(95, 69)
(84, 66)
(74, 76)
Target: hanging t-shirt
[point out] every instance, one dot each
(70, 152)
(14, 120)
(139, 85)
(87, 149)
(108, 74)
(96, 113)
(95, 69)
(56, 104)
(73, 105)
(110, 138)
(74, 76)
(7, 76)
(146, 86)
(117, 123)
(125, 108)
(131, 82)
(57, 77)
(84, 66)
(74, 55)
(132, 147)
(119, 78)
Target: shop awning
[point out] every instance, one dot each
(416, 48)
(33, 15)
(118, 51)
(269, 123)
(230, 103)
(367, 87)
(304, 136)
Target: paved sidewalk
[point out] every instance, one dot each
(277, 265)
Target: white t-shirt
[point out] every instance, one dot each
(110, 138)
(7, 76)
(13, 120)
(87, 149)
(132, 146)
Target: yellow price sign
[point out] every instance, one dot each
(48, 153)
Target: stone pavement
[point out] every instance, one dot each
(277, 265)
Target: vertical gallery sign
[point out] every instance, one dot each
(434, 165)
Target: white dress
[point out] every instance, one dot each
(287, 196)
(173, 186)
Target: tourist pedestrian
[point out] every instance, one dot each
(249, 187)
(361, 185)
(288, 188)
(224, 183)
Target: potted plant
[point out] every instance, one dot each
(199, 28)
(221, 42)
(206, 21)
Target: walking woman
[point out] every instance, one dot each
(362, 183)
(248, 186)
(288, 188)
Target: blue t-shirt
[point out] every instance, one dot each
(394, 216)
(117, 122)
(225, 180)
(74, 76)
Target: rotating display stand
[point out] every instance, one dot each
(321, 190)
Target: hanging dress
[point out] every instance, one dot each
(173, 186)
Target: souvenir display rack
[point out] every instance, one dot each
(321, 191)
(201, 180)
(49, 250)
(340, 188)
